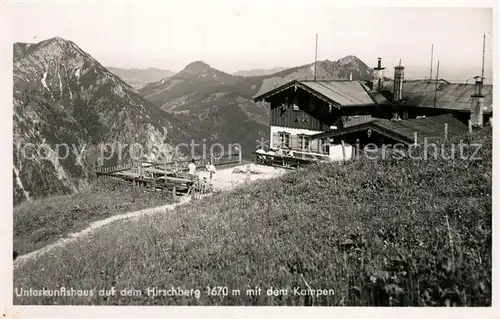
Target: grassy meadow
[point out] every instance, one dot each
(377, 232)
(40, 222)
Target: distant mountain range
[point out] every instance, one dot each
(259, 72)
(137, 78)
(196, 78)
(349, 67)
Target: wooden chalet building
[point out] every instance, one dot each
(430, 98)
(300, 109)
(381, 132)
(306, 114)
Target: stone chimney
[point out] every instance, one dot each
(378, 76)
(477, 103)
(398, 84)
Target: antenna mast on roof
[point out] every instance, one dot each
(482, 68)
(432, 56)
(316, 57)
(436, 88)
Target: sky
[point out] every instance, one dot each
(233, 35)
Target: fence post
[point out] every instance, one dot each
(470, 126)
(357, 148)
(247, 180)
(415, 138)
(446, 131)
(166, 176)
(239, 156)
(343, 149)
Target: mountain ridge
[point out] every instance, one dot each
(259, 72)
(63, 96)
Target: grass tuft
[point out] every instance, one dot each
(43, 221)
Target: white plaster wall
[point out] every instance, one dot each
(336, 152)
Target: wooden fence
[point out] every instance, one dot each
(285, 161)
(217, 160)
(168, 176)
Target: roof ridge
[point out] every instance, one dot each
(319, 93)
(342, 95)
(369, 93)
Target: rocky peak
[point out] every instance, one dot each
(350, 59)
(56, 63)
(197, 67)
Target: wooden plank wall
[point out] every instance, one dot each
(313, 113)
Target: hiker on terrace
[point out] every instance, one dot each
(192, 170)
(279, 151)
(210, 169)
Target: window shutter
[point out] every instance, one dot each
(294, 143)
(276, 140)
(306, 143)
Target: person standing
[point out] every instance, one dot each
(211, 170)
(192, 170)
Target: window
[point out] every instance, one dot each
(405, 115)
(303, 142)
(325, 145)
(284, 140)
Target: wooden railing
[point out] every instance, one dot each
(286, 161)
(218, 160)
(171, 176)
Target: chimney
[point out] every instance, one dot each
(477, 102)
(378, 76)
(398, 83)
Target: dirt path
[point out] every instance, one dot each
(223, 180)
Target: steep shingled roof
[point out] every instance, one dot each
(338, 93)
(404, 130)
(450, 96)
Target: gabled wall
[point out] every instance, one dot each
(312, 113)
